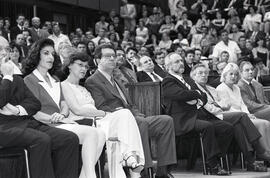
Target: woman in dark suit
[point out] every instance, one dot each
(54, 110)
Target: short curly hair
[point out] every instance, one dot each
(80, 56)
(33, 59)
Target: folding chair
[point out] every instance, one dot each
(16, 152)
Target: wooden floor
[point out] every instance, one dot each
(236, 173)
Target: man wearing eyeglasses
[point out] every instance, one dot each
(110, 95)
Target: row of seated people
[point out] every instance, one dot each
(67, 106)
(47, 116)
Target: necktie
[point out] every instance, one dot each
(118, 90)
(155, 77)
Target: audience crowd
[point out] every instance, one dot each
(59, 91)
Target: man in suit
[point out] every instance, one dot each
(188, 62)
(20, 41)
(245, 133)
(159, 66)
(182, 101)
(19, 129)
(252, 92)
(18, 28)
(110, 95)
(256, 34)
(131, 52)
(128, 13)
(122, 73)
(147, 73)
(36, 32)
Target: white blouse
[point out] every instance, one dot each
(54, 91)
(232, 97)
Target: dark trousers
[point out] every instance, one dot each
(160, 127)
(53, 153)
(216, 136)
(245, 132)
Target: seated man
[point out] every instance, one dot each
(19, 129)
(159, 66)
(252, 92)
(147, 74)
(245, 133)
(182, 101)
(110, 95)
(122, 73)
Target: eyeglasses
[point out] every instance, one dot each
(81, 65)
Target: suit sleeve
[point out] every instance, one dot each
(247, 100)
(5, 92)
(96, 92)
(172, 91)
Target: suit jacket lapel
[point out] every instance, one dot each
(108, 85)
(44, 92)
(251, 93)
(178, 81)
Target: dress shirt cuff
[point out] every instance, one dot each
(23, 112)
(8, 77)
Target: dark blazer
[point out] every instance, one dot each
(143, 77)
(105, 95)
(48, 105)
(175, 95)
(14, 31)
(259, 35)
(15, 93)
(254, 102)
(158, 70)
(129, 66)
(35, 36)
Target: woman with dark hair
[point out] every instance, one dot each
(261, 51)
(54, 111)
(15, 55)
(120, 123)
(251, 18)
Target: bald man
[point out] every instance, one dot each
(147, 74)
(36, 32)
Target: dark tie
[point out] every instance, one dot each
(118, 90)
(155, 77)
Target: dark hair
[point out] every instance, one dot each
(17, 16)
(13, 45)
(191, 51)
(82, 43)
(241, 66)
(253, 7)
(131, 48)
(98, 50)
(74, 57)
(33, 59)
(87, 49)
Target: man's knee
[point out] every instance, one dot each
(43, 139)
(71, 138)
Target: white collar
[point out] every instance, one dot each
(41, 78)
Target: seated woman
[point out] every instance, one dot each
(120, 124)
(54, 110)
(230, 95)
(15, 55)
